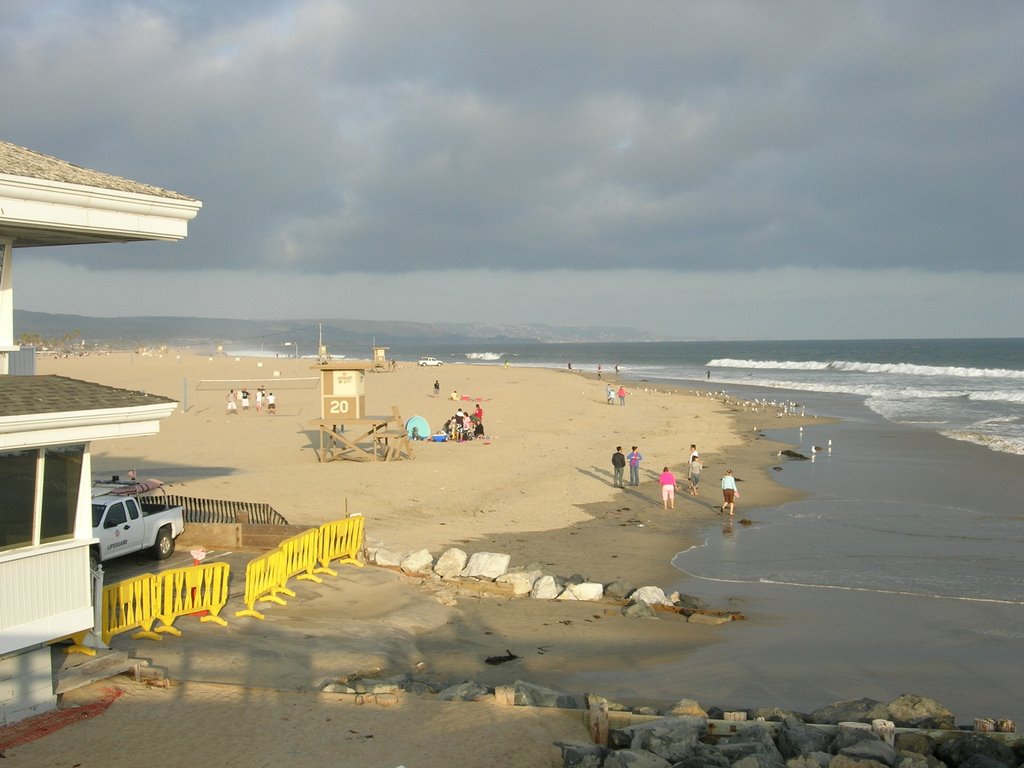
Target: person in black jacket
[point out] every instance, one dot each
(618, 464)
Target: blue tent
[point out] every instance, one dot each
(420, 426)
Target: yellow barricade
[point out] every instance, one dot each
(263, 578)
(199, 589)
(340, 540)
(299, 554)
(130, 604)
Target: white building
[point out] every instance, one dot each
(48, 423)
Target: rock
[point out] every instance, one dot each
(758, 760)
(842, 761)
(705, 756)
(336, 688)
(958, 750)
(912, 760)
(582, 754)
(672, 738)
(921, 743)
(982, 761)
(530, 695)
(545, 588)
(848, 736)
(777, 715)
(486, 565)
(878, 751)
(574, 579)
(857, 710)
(910, 711)
(586, 590)
(708, 619)
(417, 562)
(810, 760)
(520, 581)
(651, 596)
(797, 738)
(687, 707)
(689, 602)
(755, 742)
(467, 691)
(629, 758)
(372, 685)
(618, 589)
(451, 564)
(594, 699)
(639, 610)
(386, 558)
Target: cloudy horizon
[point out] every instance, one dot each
(694, 170)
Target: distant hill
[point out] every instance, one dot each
(129, 332)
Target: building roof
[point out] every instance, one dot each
(45, 201)
(19, 161)
(35, 395)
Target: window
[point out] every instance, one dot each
(62, 472)
(17, 497)
(59, 468)
(115, 516)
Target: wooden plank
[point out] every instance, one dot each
(83, 670)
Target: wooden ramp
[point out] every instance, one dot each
(73, 670)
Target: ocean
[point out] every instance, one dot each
(965, 389)
(903, 569)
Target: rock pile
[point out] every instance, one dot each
(455, 565)
(909, 732)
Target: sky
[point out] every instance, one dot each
(694, 170)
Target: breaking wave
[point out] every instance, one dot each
(906, 369)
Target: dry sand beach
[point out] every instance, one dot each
(539, 488)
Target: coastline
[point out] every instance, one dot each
(538, 489)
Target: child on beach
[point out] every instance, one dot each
(729, 492)
(695, 468)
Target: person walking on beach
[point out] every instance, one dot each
(261, 393)
(437, 388)
(609, 394)
(271, 404)
(668, 489)
(622, 395)
(694, 470)
(729, 492)
(232, 405)
(618, 464)
(634, 458)
(693, 452)
(245, 399)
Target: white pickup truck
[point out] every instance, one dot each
(125, 522)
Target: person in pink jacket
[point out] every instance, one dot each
(668, 489)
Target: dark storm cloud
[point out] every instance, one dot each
(327, 137)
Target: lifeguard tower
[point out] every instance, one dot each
(346, 430)
(380, 359)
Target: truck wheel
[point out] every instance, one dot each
(164, 545)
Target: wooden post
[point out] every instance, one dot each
(597, 722)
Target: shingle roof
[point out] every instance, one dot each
(19, 161)
(32, 395)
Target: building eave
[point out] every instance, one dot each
(38, 212)
(34, 430)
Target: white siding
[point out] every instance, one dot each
(44, 595)
(26, 685)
